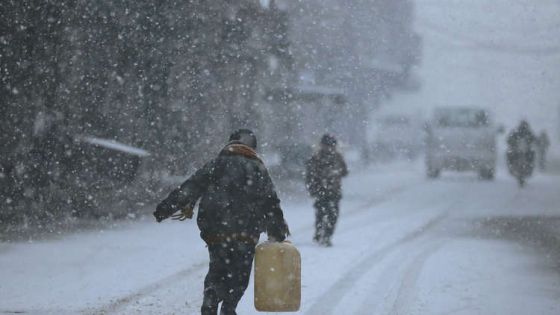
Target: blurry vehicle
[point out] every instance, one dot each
(101, 172)
(110, 161)
(520, 153)
(77, 175)
(89, 162)
(461, 139)
(396, 136)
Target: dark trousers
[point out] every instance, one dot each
(326, 215)
(228, 276)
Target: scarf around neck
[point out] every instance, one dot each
(237, 148)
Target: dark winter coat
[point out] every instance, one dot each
(237, 198)
(324, 172)
(519, 138)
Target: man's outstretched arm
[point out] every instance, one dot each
(186, 195)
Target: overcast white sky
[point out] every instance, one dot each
(503, 54)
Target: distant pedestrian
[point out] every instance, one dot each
(521, 152)
(543, 143)
(324, 172)
(237, 202)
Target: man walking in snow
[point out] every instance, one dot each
(237, 203)
(324, 172)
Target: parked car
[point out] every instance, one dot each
(461, 139)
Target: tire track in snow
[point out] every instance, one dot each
(122, 302)
(327, 302)
(382, 286)
(135, 296)
(363, 207)
(406, 288)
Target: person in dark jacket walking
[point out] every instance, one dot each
(237, 203)
(324, 172)
(520, 152)
(543, 143)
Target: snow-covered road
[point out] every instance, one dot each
(404, 245)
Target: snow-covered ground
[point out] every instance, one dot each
(404, 245)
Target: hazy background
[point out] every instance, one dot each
(504, 55)
(114, 101)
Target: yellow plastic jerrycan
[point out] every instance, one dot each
(277, 277)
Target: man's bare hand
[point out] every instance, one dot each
(186, 213)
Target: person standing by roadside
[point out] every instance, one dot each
(323, 179)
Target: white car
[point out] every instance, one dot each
(461, 139)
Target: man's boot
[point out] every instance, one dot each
(210, 303)
(228, 309)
